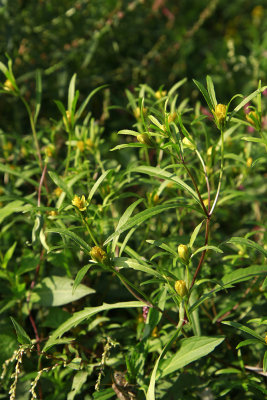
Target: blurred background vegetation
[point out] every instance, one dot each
(123, 43)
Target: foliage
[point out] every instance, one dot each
(133, 262)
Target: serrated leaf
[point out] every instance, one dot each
(141, 217)
(204, 92)
(71, 92)
(60, 183)
(97, 184)
(244, 329)
(211, 92)
(214, 248)
(80, 316)
(194, 234)
(73, 236)
(56, 291)
(247, 243)
(124, 262)
(22, 336)
(80, 275)
(163, 174)
(191, 349)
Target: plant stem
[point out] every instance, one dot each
(206, 177)
(221, 175)
(88, 228)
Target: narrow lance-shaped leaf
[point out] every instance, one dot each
(97, 184)
(88, 312)
(38, 94)
(211, 91)
(248, 243)
(249, 98)
(59, 182)
(244, 329)
(73, 236)
(204, 92)
(71, 91)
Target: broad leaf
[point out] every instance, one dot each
(57, 290)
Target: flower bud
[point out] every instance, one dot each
(8, 86)
(144, 139)
(220, 113)
(180, 287)
(80, 145)
(183, 253)
(160, 93)
(98, 254)
(80, 203)
(251, 117)
(188, 144)
(249, 162)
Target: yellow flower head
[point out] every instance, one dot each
(89, 144)
(80, 145)
(220, 113)
(249, 162)
(98, 254)
(80, 202)
(159, 94)
(57, 192)
(180, 287)
(8, 86)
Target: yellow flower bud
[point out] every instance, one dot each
(8, 86)
(183, 252)
(89, 144)
(98, 254)
(67, 121)
(159, 94)
(220, 113)
(58, 191)
(80, 145)
(144, 139)
(209, 151)
(49, 150)
(250, 119)
(180, 287)
(249, 162)
(137, 112)
(172, 117)
(80, 202)
(187, 144)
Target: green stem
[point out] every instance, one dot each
(221, 175)
(68, 153)
(88, 229)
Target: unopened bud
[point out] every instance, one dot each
(8, 86)
(144, 139)
(180, 287)
(98, 254)
(249, 162)
(220, 113)
(188, 144)
(183, 253)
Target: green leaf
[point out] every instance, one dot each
(141, 217)
(8, 255)
(86, 313)
(191, 349)
(244, 274)
(86, 101)
(265, 362)
(80, 275)
(204, 92)
(194, 234)
(78, 380)
(247, 343)
(59, 182)
(244, 329)
(124, 218)
(163, 246)
(253, 139)
(22, 336)
(66, 232)
(124, 262)
(176, 86)
(125, 145)
(247, 243)
(97, 184)
(163, 174)
(207, 248)
(211, 91)
(38, 94)
(71, 92)
(11, 208)
(249, 98)
(128, 132)
(56, 291)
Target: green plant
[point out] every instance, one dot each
(172, 203)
